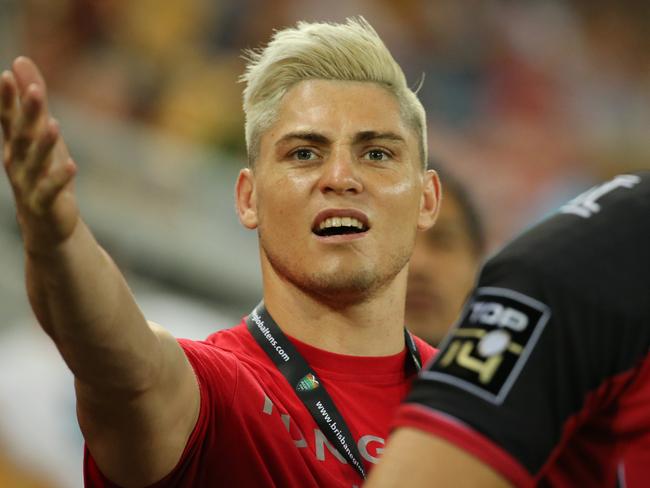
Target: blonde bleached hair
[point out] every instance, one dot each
(324, 51)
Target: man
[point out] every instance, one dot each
(546, 378)
(302, 391)
(444, 264)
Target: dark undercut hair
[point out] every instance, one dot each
(453, 186)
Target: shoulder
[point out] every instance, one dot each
(232, 339)
(217, 358)
(594, 250)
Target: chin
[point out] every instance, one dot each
(341, 287)
(338, 282)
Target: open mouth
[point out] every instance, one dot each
(336, 226)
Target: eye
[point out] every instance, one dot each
(303, 154)
(377, 155)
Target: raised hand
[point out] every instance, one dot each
(36, 159)
(137, 396)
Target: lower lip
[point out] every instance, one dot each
(340, 238)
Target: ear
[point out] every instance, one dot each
(430, 200)
(246, 198)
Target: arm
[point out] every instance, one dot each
(416, 459)
(137, 398)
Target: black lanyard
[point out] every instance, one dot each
(306, 384)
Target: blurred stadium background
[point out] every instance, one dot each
(528, 103)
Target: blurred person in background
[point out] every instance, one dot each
(444, 264)
(337, 188)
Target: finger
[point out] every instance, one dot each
(27, 73)
(8, 93)
(40, 158)
(48, 188)
(28, 124)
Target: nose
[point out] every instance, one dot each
(340, 174)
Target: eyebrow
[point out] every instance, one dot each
(364, 136)
(304, 136)
(371, 135)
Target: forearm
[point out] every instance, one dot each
(82, 301)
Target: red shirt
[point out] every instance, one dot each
(254, 431)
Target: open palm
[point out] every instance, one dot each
(36, 159)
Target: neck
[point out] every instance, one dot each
(373, 326)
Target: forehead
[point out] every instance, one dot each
(339, 109)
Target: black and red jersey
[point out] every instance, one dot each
(546, 376)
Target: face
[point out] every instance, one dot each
(441, 273)
(338, 192)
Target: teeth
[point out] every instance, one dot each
(341, 222)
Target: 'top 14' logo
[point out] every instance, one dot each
(485, 353)
(494, 313)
